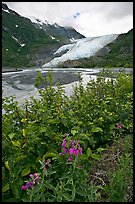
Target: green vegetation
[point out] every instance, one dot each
(51, 145)
(35, 40)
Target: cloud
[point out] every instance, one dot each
(88, 18)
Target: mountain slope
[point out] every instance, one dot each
(68, 34)
(118, 53)
(24, 43)
(83, 48)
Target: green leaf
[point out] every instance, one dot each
(73, 132)
(89, 152)
(48, 185)
(26, 171)
(11, 135)
(97, 129)
(73, 192)
(50, 154)
(18, 159)
(51, 172)
(24, 132)
(5, 187)
(44, 143)
(15, 191)
(112, 127)
(42, 129)
(67, 196)
(109, 98)
(84, 157)
(100, 149)
(100, 187)
(95, 156)
(101, 119)
(7, 165)
(68, 175)
(24, 120)
(3, 172)
(41, 162)
(16, 143)
(82, 193)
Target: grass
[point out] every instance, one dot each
(114, 171)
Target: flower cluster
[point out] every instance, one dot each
(30, 184)
(74, 149)
(119, 126)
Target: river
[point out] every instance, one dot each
(21, 83)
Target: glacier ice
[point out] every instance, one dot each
(82, 48)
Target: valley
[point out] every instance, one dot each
(67, 102)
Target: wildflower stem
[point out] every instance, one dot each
(31, 194)
(42, 179)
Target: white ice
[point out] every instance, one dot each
(83, 48)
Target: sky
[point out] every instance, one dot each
(89, 18)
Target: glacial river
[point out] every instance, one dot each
(21, 83)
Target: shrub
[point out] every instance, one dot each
(93, 116)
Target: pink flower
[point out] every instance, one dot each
(64, 142)
(30, 184)
(37, 179)
(72, 142)
(66, 150)
(76, 152)
(72, 151)
(60, 154)
(35, 175)
(78, 145)
(119, 126)
(70, 159)
(24, 188)
(80, 150)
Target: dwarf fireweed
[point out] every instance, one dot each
(35, 179)
(73, 149)
(119, 125)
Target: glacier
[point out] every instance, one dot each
(82, 48)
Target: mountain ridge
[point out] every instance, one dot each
(39, 43)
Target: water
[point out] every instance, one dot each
(21, 83)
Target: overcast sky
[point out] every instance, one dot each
(89, 18)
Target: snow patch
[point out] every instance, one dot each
(16, 26)
(5, 10)
(46, 22)
(37, 21)
(52, 37)
(74, 40)
(22, 45)
(15, 38)
(56, 25)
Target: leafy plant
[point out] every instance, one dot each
(93, 116)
